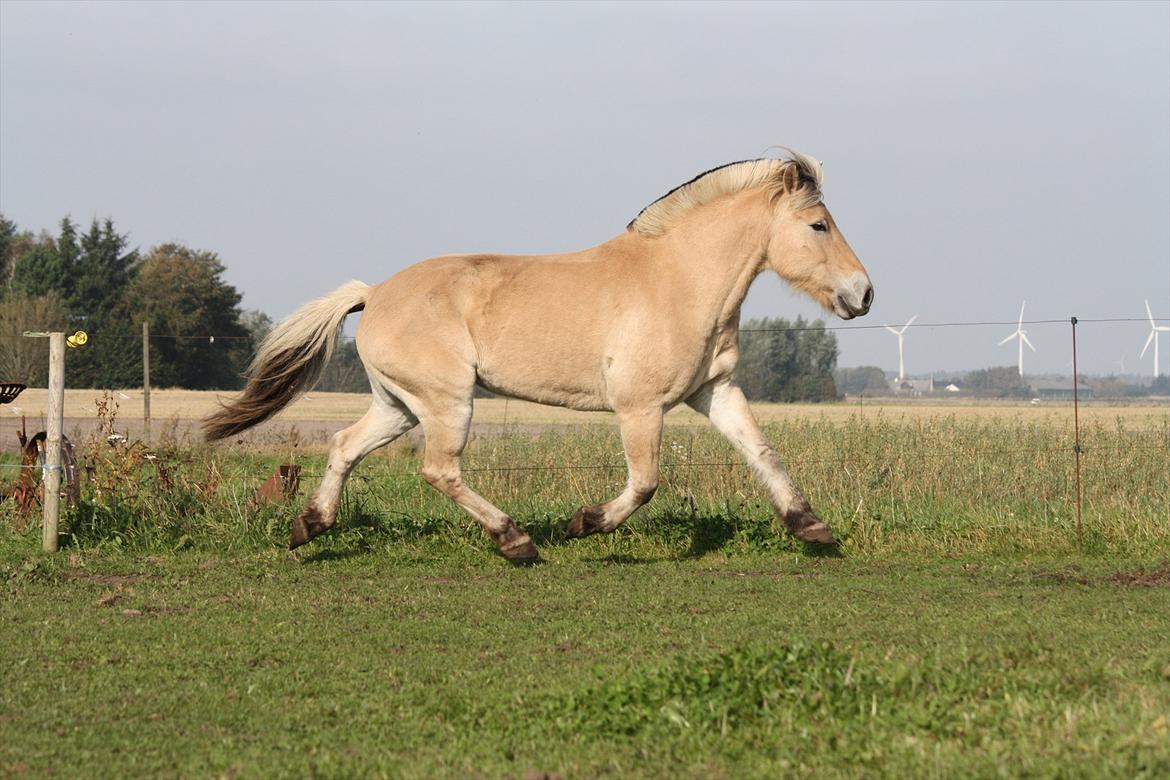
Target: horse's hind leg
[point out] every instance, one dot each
(446, 423)
(642, 440)
(386, 420)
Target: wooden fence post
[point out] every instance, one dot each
(52, 473)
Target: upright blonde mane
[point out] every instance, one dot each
(799, 178)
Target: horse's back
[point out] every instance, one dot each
(530, 326)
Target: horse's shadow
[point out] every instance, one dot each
(697, 533)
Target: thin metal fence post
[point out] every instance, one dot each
(146, 381)
(1077, 434)
(52, 473)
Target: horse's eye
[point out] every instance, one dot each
(820, 227)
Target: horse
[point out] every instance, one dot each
(637, 325)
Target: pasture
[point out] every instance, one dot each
(958, 631)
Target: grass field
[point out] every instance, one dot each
(959, 631)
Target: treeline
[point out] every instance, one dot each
(787, 361)
(92, 280)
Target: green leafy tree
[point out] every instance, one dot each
(862, 380)
(998, 382)
(345, 372)
(787, 361)
(198, 340)
(101, 267)
(90, 272)
(8, 236)
(27, 360)
(257, 323)
(46, 265)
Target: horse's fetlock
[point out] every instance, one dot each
(308, 525)
(588, 520)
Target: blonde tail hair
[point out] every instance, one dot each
(289, 361)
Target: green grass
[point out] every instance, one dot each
(959, 631)
(360, 661)
(941, 486)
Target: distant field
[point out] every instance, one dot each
(322, 407)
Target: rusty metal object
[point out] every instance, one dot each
(27, 492)
(281, 487)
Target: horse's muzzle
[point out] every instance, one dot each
(854, 300)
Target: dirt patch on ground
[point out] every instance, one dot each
(1158, 576)
(107, 580)
(1139, 578)
(1073, 577)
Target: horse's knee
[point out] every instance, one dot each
(445, 480)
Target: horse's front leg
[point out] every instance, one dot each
(727, 408)
(642, 439)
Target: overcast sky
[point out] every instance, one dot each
(975, 155)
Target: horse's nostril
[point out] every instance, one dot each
(867, 299)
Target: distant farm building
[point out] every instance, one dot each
(1060, 391)
(913, 386)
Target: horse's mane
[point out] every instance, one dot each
(798, 177)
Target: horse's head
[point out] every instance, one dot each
(805, 247)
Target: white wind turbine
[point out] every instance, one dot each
(1155, 329)
(900, 334)
(1022, 335)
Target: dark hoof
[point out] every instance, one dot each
(524, 554)
(308, 526)
(807, 527)
(517, 547)
(586, 522)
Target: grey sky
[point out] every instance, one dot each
(975, 155)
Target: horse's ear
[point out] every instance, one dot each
(790, 178)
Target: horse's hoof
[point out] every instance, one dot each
(807, 527)
(307, 526)
(523, 553)
(587, 521)
(517, 547)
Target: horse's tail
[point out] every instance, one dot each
(289, 361)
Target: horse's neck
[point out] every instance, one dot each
(718, 254)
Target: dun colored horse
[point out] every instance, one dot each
(636, 326)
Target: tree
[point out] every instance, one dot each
(998, 382)
(90, 273)
(345, 372)
(198, 340)
(40, 267)
(863, 380)
(27, 360)
(783, 361)
(257, 323)
(8, 236)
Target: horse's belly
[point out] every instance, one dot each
(547, 368)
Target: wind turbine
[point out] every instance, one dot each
(1155, 329)
(1022, 335)
(900, 334)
